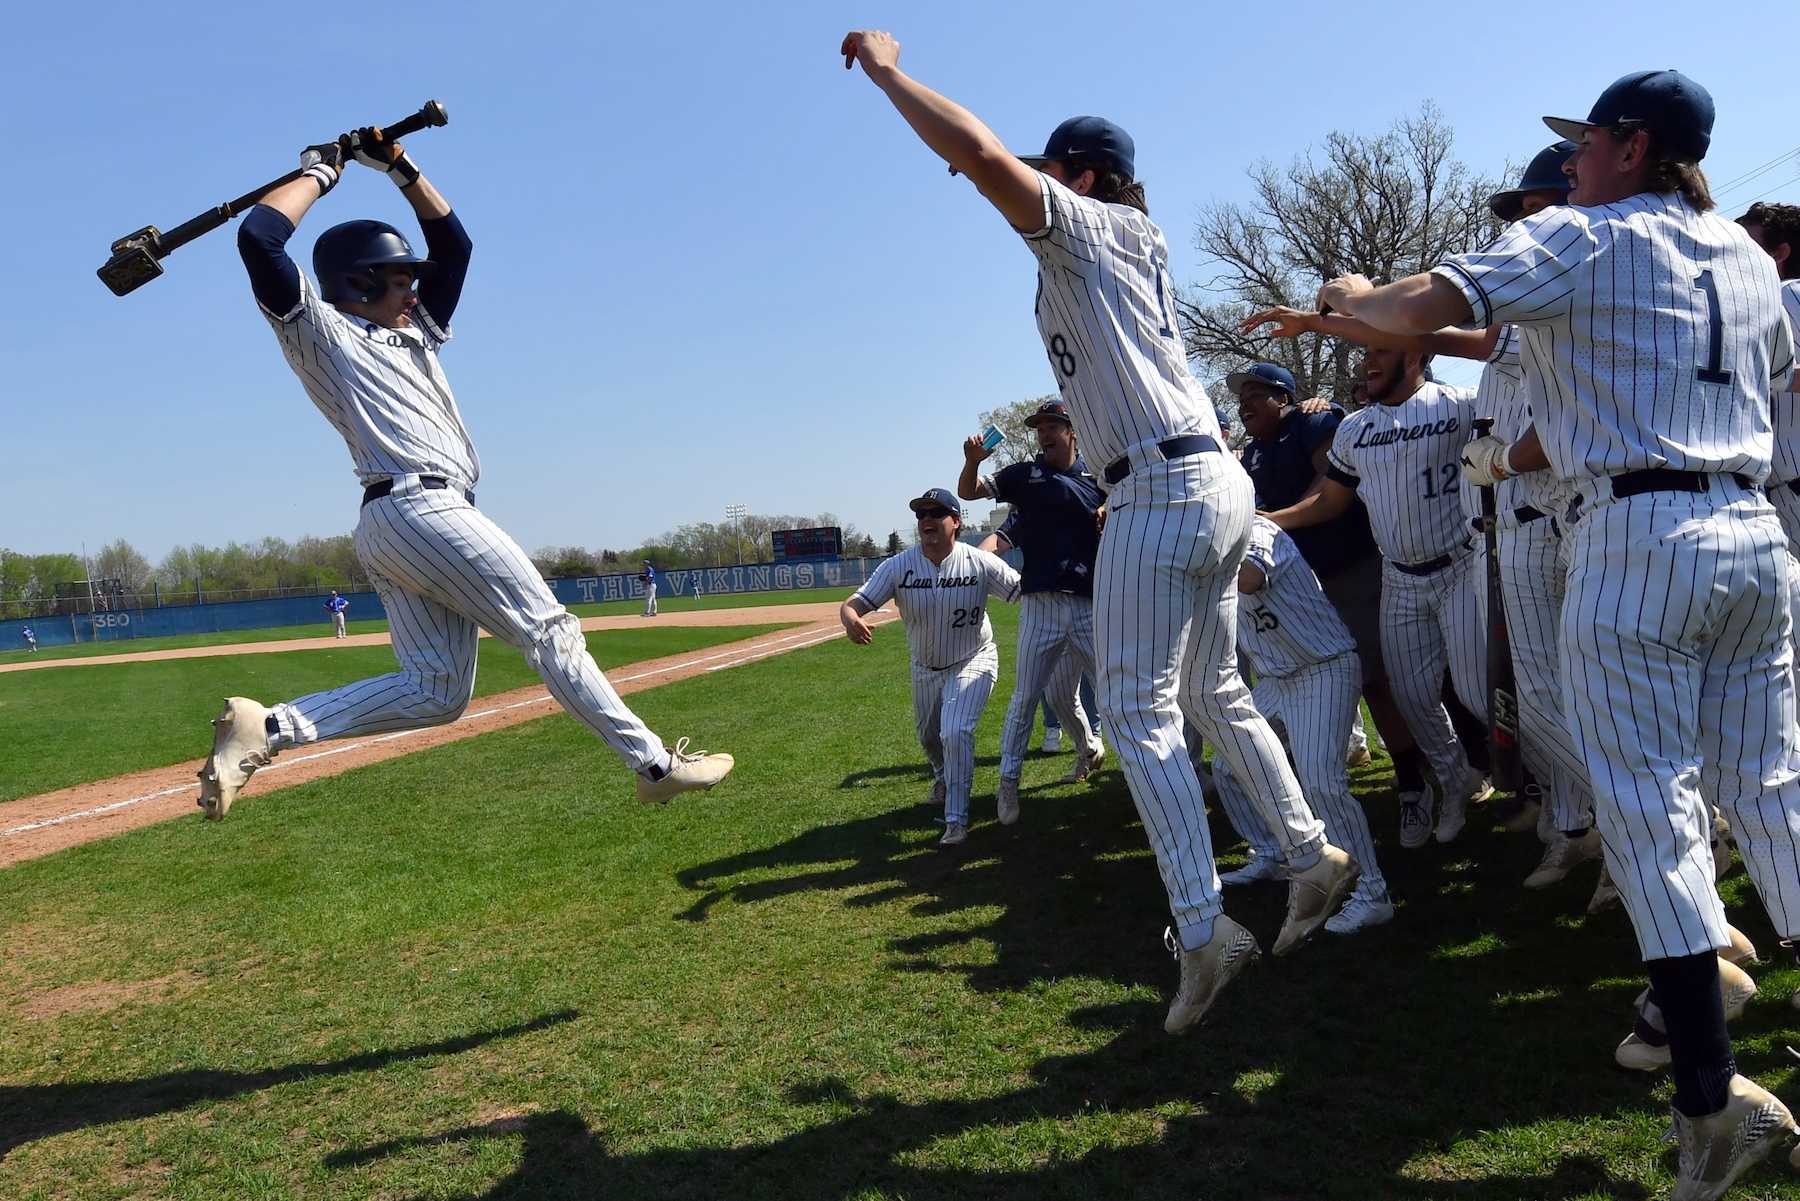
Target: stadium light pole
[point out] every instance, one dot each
(736, 513)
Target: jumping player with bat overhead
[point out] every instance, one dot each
(1179, 505)
(365, 346)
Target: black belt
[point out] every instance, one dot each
(1793, 486)
(1526, 514)
(434, 482)
(1168, 448)
(1431, 565)
(1667, 479)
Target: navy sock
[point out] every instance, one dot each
(1686, 989)
(1409, 769)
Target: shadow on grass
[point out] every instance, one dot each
(1360, 1067)
(34, 1111)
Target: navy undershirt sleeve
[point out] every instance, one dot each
(447, 245)
(262, 244)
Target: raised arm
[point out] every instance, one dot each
(952, 132)
(1418, 304)
(1455, 343)
(970, 485)
(266, 228)
(447, 244)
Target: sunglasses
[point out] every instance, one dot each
(933, 514)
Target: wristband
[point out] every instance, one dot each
(323, 174)
(402, 171)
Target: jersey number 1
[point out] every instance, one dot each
(1715, 332)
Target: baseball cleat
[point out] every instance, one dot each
(1524, 818)
(1454, 814)
(1205, 972)
(1713, 1151)
(1482, 792)
(1415, 819)
(935, 798)
(1085, 765)
(1735, 989)
(1314, 895)
(1361, 913)
(1007, 801)
(686, 773)
(1256, 869)
(1640, 1055)
(240, 746)
(1562, 856)
(1052, 741)
(1721, 848)
(1358, 756)
(1606, 893)
(955, 834)
(1741, 950)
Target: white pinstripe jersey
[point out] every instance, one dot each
(1501, 395)
(944, 606)
(1406, 461)
(1785, 405)
(1650, 332)
(382, 389)
(1106, 310)
(1288, 624)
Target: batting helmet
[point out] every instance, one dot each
(344, 256)
(1543, 174)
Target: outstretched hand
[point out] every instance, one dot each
(873, 48)
(857, 630)
(1288, 323)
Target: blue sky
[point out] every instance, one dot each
(711, 266)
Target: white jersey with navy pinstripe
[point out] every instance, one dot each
(1651, 334)
(1501, 395)
(382, 389)
(1406, 460)
(1288, 623)
(1106, 310)
(943, 605)
(1785, 405)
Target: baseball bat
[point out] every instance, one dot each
(1503, 689)
(137, 257)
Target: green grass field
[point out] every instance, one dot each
(483, 972)
(322, 629)
(71, 726)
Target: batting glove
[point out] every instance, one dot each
(375, 152)
(1484, 461)
(323, 164)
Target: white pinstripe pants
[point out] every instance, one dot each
(947, 705)
(444, 572)
(1056, 648)
(1428, 621)
(1787, 508)
(1533, 576)
(1165, 636)
(1677, 648)
(1315, 707)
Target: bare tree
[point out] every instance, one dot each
(1383, 207)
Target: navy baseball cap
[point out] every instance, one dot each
(938, 498)
(1050, 410)
(1272, 374)
(1089, 140)
(1544, 173)
(1675, 109)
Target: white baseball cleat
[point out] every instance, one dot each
(1007, 801)
(240, 746)
(1454, 813)
(1361, 912)
(686, 773)
(1085, 764)
(1713, 1151)
(955, 834)
(1256, 869)
(1562, 856)
(1052, 740)
(1314, 895)
(1205, 972)
(1415, 819)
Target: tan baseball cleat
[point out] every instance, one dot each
(1741, 950)
(1715, 1150)
(1205, 972)
(1085, 764)
(1563, 855)
(1652, 1054)
(686, 773)
(1314, 895)
(1358, 756)
(240, 746)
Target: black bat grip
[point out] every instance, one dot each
(429, 115)
(1483, 425)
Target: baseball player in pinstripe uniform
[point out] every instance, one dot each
(1401, 455)
(941, 587)
(365, 346)
(1776, 228)
(1308, 683)
(1178, 514)
(1055, 499)
(1653, 334)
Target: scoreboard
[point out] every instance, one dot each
(820, 542)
